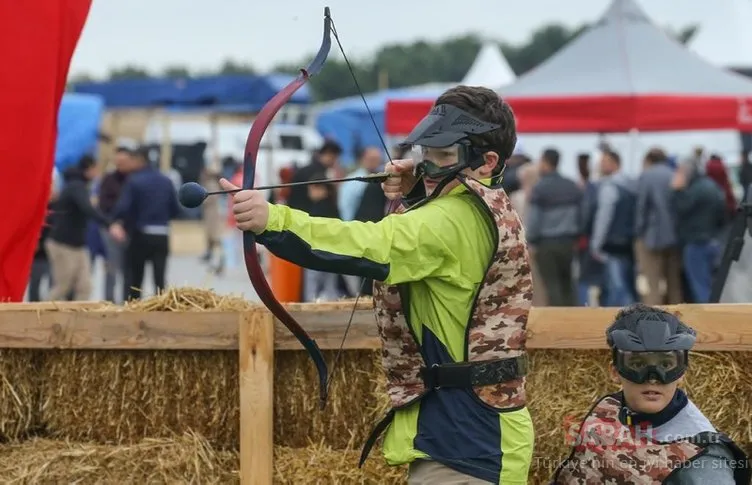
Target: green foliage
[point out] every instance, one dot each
(129, 72)
(403, 64)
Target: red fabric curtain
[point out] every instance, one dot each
(37, 40)
(601, 114)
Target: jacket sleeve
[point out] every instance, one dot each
(608, 195)
(174, 207)
(124, 204)
(643, 191)
(400, 248)
(713, 467)
(533, 216)
(107, 192)
(80, 196)
(721, 214)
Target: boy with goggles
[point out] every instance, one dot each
(452, 293)
(650, 433)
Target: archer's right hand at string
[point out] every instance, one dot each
(402, 182)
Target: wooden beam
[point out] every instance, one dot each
(50, 305)
(119, 330)
(256, 330)
(720, 327)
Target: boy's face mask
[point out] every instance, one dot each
(640, 367)
(440, 143)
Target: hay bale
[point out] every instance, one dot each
(356, 399)
(19, 393)
(322, 464)
(564, 384)
(187, 459)
(122, 397)
(185, 299)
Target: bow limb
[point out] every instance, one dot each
(255, 272)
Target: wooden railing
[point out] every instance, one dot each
(255, 334)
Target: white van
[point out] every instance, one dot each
(282, 145)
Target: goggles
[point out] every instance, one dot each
(662, 366)
(440, 162)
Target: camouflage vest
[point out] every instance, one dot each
(497, 326)
(607, 451)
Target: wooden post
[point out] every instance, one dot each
(256, 343)
(165, 153)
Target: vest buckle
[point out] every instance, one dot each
(431, 377)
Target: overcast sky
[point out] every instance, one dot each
(202, 33)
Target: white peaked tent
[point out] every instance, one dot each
(489, 69)
(726, 38)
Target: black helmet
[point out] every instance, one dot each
(641, 328)
(650, 343)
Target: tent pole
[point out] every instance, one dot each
(634, 149)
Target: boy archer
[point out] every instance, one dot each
(452, 293)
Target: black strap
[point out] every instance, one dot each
(473, 374)
(377, 431)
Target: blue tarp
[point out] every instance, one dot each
(78, 122)
(347, 120)
(237, 92)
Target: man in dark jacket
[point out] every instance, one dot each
(700, 211)
(146, 206)
(552, 226)
(324, 160)
(66, 244)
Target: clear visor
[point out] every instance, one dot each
(641, 361)
(442, 157)
(438, 162)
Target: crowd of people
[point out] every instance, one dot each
(122, 216)
(592, 240)
(346, 200)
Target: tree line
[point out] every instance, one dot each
(396, 65)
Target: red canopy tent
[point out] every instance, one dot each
(623, 73)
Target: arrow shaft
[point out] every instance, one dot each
(373, 178)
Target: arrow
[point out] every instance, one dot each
(193, 195)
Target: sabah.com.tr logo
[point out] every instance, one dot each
(606, 434)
